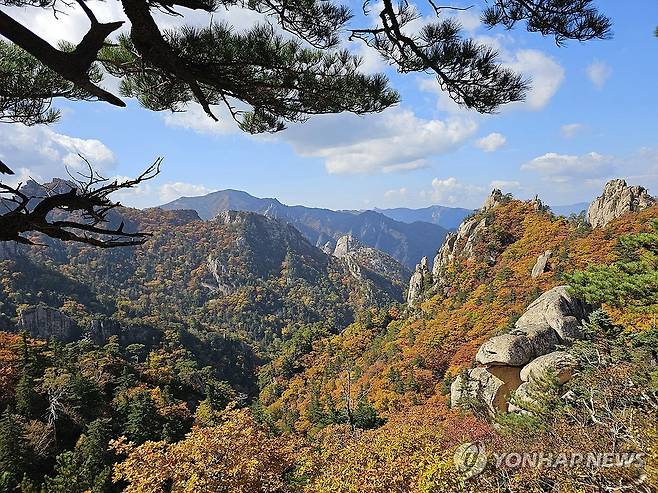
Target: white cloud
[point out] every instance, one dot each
(150, 195)
(42, 153)
(491, 142)
(505, 185)
(194, 118)
(450, 191)
(599, 72)
(570, 130)
(396, 194)
(562, 168)
(395, 140)
(546, 76)
(545, 73)
(172, 191)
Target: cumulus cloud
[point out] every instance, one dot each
(172, 191)
(396, 193)
(570, 130)
(545, 73)
(491, 142)
(150, 195)
(505, 185)
(563, 167)
(194, 118)
(42, 153)
(394, 140)
(450, 191)
(599, 72)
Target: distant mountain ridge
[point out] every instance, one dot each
(406, 242)
(446, 217)
(567, 210)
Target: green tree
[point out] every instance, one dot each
(13, 449)
(630, 281)
(142, 421)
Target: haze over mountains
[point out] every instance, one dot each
(404, 233)
(406, 242)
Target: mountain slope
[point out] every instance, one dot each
(241, 273)
(405, 242)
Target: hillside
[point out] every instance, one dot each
(407, 243)
(241, 274)
(235, 337)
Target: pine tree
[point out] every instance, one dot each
(13, 448)
(143, 420)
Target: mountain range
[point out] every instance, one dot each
(406, 242)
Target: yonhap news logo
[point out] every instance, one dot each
(471, 459)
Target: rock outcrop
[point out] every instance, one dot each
(528, 350)
(494, 199)
(102, 329)
(507, 349)
(462, 242)
(542, 264)
(561, 363)
(556, 309)
(419, 282)
(553, 318)
(618, 199)
(44, 322)
(357, 256)
(344, 245)
(477, 384)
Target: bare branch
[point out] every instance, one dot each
(79, 214)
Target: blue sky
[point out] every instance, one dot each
(591, 116)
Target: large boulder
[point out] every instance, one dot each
(561, 363)
(556, 309)
(514, 349)
(44, 322)
(618, 199)
(552, 319)
(541, 264)
(480, 385)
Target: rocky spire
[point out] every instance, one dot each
(493, 200)
(345, 245)
(618, 199)
(419, 282)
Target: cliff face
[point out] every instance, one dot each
(47, 323)
(460, 243)
(618, 199)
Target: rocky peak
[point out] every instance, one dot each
(345, 245)
(461, 242)
(493, 200)
(618, 199)
(419, 282)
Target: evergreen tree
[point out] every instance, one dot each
(92, 454)
(143, 420)
(630, 281)
(13, 449)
